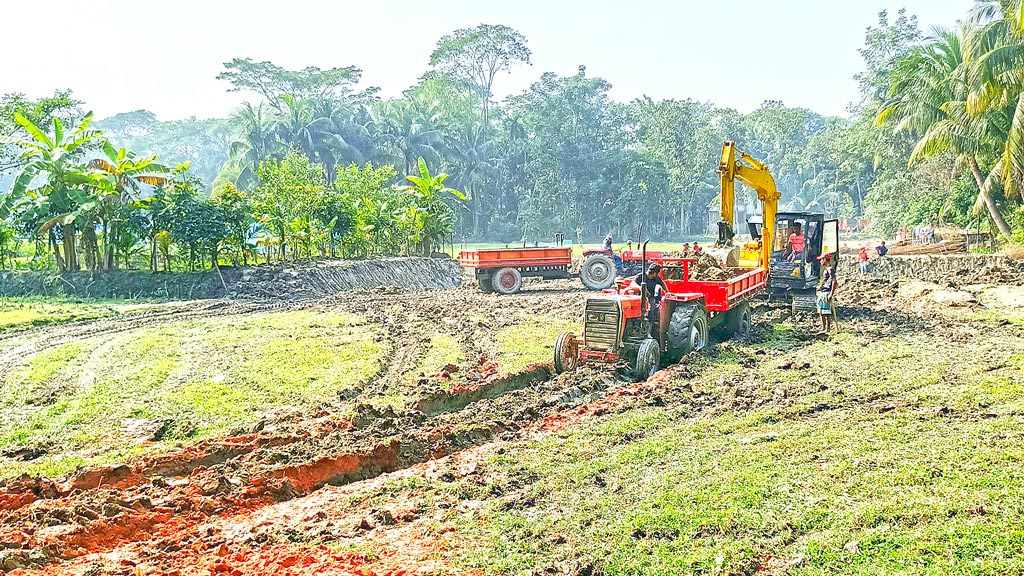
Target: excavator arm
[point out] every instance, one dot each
(738, 165)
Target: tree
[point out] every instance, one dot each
(55, 191)
(288, 189)
(271, 82)
(884, 47)
(929, 99)
(234, 208)
(477, 55)
(39, 112)
(194, 222)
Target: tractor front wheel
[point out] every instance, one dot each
(567, 352)
(507, 281)
(687, 330)
(647, 359)
(598, 271)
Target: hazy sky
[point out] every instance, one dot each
(164, 56)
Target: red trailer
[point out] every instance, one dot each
(502, 270)
(617, 324)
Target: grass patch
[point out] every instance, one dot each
(443, 350)
(879, 455)
(106, 398)
(530, 341)
(18, 313)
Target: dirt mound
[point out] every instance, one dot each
(322, 278)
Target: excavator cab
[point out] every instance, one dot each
(799, 238)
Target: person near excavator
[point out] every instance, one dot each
(826, 293)
(651, 281)
(862, 259)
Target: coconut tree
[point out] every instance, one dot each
(929, 99)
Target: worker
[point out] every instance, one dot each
(795, 245)
(862, 258)
(826, 293)
(656, 288)
(607, 247)
(881, 249)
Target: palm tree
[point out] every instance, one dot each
(929, 99)
(408, 130)
(255, 143)
(55, 191)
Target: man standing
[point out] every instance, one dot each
(881, 249)
(826, 294)
(862, 258)
(656, 288)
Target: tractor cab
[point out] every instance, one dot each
(798, 239)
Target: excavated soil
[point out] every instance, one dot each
(293, 494)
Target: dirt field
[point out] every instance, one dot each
(421, 432)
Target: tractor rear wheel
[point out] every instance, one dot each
(687, 330)
(567, 352)
(507, 281)
(739, 322)
(598, 271)
(647, 359)
(485, 284)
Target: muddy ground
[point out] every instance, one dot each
(317, 492)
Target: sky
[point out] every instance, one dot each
(164, 56)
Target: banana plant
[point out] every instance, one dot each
(433, 218)
(54, 187)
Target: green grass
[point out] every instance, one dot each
(191, 380)
(530, 341)
(443, 350)
(25, 312)
(892, 455)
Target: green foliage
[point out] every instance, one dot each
(283, 202)
(428, 217)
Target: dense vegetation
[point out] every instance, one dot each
(312, 164)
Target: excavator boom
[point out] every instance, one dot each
(738, 165)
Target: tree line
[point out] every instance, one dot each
(312, 163)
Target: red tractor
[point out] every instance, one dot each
(616, 325)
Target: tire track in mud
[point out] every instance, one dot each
(102, 508)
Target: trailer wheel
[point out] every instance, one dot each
(647, 359)
(507, 281)
(740, 321)
(687, 330)
(598, 271)
(567, 352)
(485, 284)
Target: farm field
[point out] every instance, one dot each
(423, 431)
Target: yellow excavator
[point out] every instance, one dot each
(738, 165)
(785, 244)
